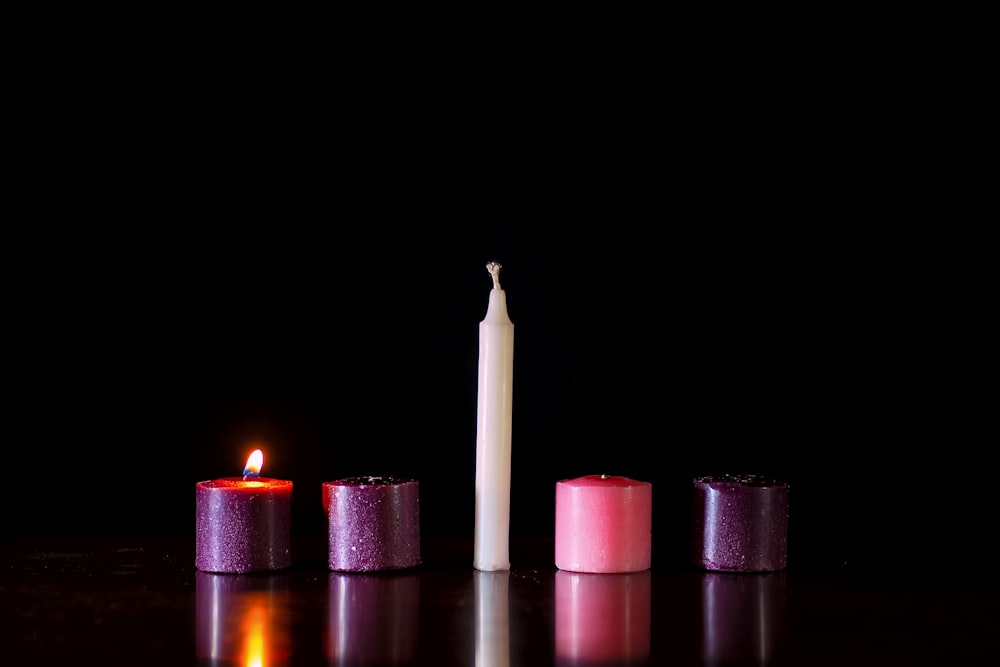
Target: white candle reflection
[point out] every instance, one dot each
(242, 620)
(492, 618)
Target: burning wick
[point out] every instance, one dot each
(254, 463)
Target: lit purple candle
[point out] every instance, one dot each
(373, 523)
(243, 524)
(740, 523)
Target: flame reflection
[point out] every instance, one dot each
(372, 619)
(242, 620)
(602, 619)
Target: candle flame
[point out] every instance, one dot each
(254, 463)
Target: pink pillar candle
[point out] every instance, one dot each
(603, 524)
(373, 523)
(740, 523)
(243, 524)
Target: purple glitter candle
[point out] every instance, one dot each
(740, 523)
(373, 523)
(243, 524)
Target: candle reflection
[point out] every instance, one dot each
(492, 618)
(242, 620)
(743, 618)
(372, 619)
(602, 619)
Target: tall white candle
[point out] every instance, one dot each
(496, 373)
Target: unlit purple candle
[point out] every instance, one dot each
(740, 523)
(243, 524)
(373, 523)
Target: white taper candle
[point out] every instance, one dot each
(496, 373)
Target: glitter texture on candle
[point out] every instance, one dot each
(373, 523)
(242, 525)
(740, 523)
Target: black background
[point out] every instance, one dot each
(715, 260)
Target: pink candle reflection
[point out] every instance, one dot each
(743, 618)
(242, 620)
(372, 619)
(602, 619)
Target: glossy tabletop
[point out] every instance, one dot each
(140, 601)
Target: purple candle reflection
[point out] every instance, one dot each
(743, 617)
(242, 620)
(372, 619)
(373, 523)
(740, 523)
(602, 619)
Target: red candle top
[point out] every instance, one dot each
(603, 481)
(245, 484)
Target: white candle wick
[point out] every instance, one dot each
(494, 269)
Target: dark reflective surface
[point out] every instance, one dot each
(140, 601)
